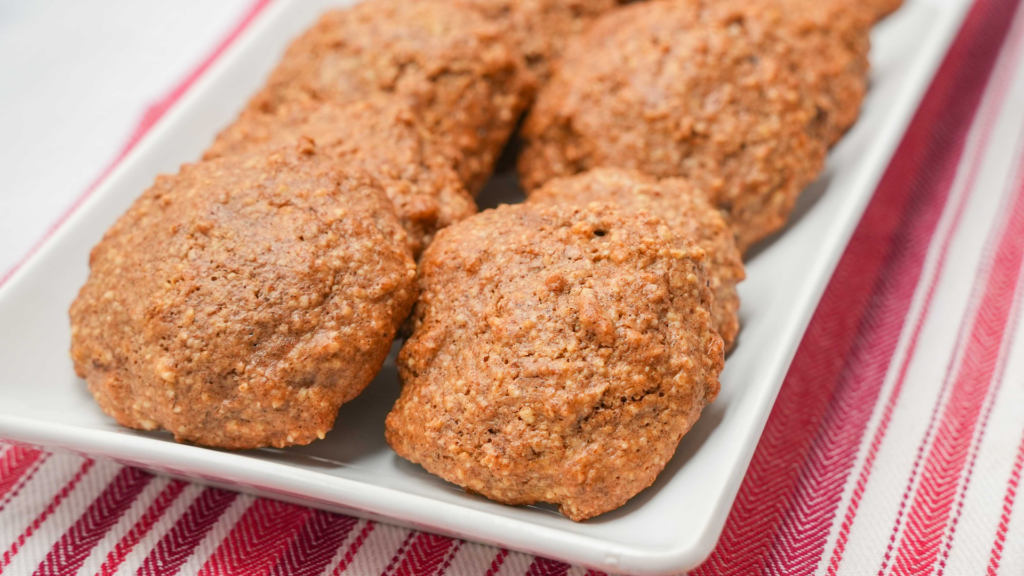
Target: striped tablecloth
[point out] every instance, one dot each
(896, 444)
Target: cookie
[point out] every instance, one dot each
(383, 137)
(559, 354)
(673, 89)
(882, 8)
(833, 38)
(539, 29)
(241, 301)
(452, 67)
(687, 212)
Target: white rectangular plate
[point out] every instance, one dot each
(669, 527)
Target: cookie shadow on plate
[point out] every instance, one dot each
(804, 204)
(688, 447)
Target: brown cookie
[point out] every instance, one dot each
(241, 301)
(880, 8)
(832, 37)
(672, 89)
(687, 212)
(539, 29)
(450, 65)
(559, 355)
(383, 137)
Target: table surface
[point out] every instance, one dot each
(895, 445)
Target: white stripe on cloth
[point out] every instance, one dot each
(1008, 558)
(343, 548)
(378, 550)
(472, 559)
(35, 496)
(20, 509)
(170, 517)
(515, 564)
(871, 531)
(1001, 183)
(982, 505)
(38, 544)
(220, 529)
(130, 517)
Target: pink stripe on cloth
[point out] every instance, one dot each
(425, 555)
(177, 545)
(257, 541)
(5, 560)
(1000, 90)
(71, 550)
(315, 544)
(353, 549)
(983, 55)
(930, 510)
(15, 464)
(996, 555)
(142, 527)
(399, 554)
(449, 558)
(998, 379)
(789, 498)
(499, 559)
(545, 567)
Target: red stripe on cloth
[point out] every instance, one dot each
(975, 449)
(1002, 85)
(315, 544)
(930, 510)
(805, 529)
(71, 550)
(996, 555)
(28, 478)
(14, 465)
(178, 544)
(852, 335)
(451, 556)
(425, 555)
(149, 119)
(497, 562)
(53, 505)
(545, 567)
(150, 517)
(399, 553)
(257, 540)
(353, 549)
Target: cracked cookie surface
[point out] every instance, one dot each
(687, 212)
(382, 136)
(539, 29)
(451, 66)
(559, 354)
(684, 89)
(241, 301)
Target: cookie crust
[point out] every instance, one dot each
(684, 208)
(539, 29)
(241, 301)
(383, 137)
(450, 65)
(677, 89)
(559, 355)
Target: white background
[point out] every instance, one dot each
(75, 79)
